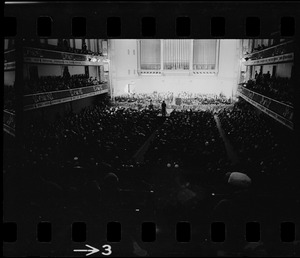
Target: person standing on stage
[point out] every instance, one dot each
(163, 108)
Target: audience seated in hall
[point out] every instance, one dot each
(57, 83)
(87, 162)
(278, 88)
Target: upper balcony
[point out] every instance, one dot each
(41, 55)
(43, 99)
(46, 56)
(9, 60)
(283, 52)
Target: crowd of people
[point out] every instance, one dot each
(83, 168)
(9, 98)
(80, 158)
(106, 134)
(143, 100)
(278, 49)
(191, 140)
(57, 83)
(204, 99)
(278, 88)
(261, 150)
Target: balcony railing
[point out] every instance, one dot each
(9, 56)
(281, 112)
(272, 60)
(9, 122)
(150, 66)
(39, 100)
(9, 60)
(280, 49)
(44, 56)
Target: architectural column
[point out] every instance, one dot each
(138, 50)
(110, 55)
(161, 54)
(191, 55)
(217, 56)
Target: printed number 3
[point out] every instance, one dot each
(107, 248)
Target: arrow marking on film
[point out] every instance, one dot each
(91, 251)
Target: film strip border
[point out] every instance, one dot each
(151, 19)
(182, 231)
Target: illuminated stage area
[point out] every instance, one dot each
(192, 66)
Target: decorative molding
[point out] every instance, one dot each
(39, 100)
(279, 111)
(272, 60)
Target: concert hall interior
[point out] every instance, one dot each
(157, 130)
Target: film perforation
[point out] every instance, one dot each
(79, 26)
(114, 26)
(113, 231)
(287, 232)
(10, 28)
(217, 28)
(183, 26)
(253, 232)
(79, 231)
(148, 232)
(44, 231)
(252, 26)
(148, 26)
(44, 26)
(9, 231)
(287, 27)
(218, 231)
(183, 232)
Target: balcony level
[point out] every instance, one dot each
(280, 53)
(9, 60)
(9, 122)
(279, 111)
(39, 100)
(45, 56)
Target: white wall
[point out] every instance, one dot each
(5, 44)
(76, 70)
(78, 43)
(284, 70)
(225, 81)
(53, 42)
(267, 68)
(9, 78)
(49, 70)
(93, 71)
